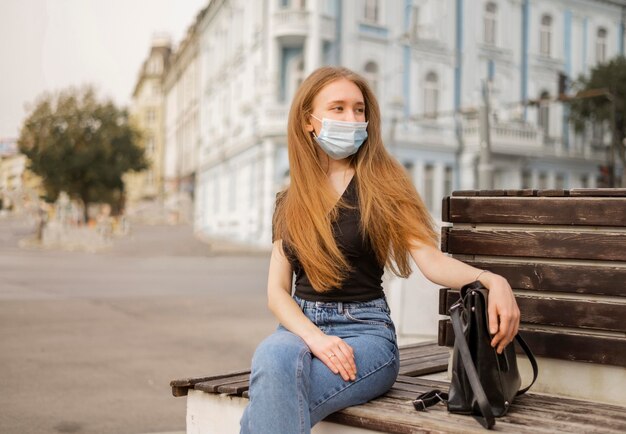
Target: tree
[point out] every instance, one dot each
(612, 77)
(82, 146)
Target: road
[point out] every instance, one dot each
(90, 341)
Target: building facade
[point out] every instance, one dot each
(147, 112)
(430, 63)
(182, 121)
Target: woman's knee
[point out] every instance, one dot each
(279, 353)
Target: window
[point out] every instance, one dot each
(371, 11)
(490, 23)
(371, 74)
(601, 45)
(150, 178)
(447, 181)
(598, 132)
(216, 194)
(543, 113)
(150, 116)
(232, 192)
(294, 72)
(408, 166)
(415, 23)
(429, 183)
(545, 36)
(150, 146)
(431, 95)
(155, 65)
(527, 179)
(584, 181)
(559, 181)
(543, 181)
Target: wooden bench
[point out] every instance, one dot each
(564, 253)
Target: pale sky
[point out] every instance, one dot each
(47, 45)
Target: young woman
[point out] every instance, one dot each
(349, 211)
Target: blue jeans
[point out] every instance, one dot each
(291, 390)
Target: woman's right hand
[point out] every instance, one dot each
(334, 353)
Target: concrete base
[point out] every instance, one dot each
(209, 413)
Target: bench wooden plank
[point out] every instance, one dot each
(190, 381)
(588, 211)
(587, 192)
(413, 386)
(425, 368)
(577, 313)
(608, 246)
(212, 386)
(541, 276)
(567, 345)
(429, 350)
(436, 353)
(234, 388)
(598, 192)
(180, 387)
(552, 193)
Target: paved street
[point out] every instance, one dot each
(89, 342)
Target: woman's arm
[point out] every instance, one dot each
(288, 313)
(443, 270)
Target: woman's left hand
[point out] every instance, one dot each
(504, 315)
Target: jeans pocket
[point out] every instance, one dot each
(368, 316)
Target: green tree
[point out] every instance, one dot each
(82, 146)
(612, 77)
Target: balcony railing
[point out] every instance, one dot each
(505, 136)
(291, 22)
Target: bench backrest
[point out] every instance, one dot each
(564, 254)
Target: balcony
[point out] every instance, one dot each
(509, 138)
(516, 138)
(273, 120)
(291, 24)
(328, 28)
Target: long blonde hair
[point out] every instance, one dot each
(392, 214)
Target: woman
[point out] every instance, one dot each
(350, 210)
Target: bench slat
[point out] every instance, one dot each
(577, 313)
(180, 387)
(586, 211)
(212, 386)
(588, 192)
(598, 192)
(422, 368)
(530, 243)
(540, 276)
(574, 346)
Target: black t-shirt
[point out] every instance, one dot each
(364, 281)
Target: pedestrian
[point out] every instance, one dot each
(350, 211)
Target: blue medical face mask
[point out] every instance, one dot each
(340, 139)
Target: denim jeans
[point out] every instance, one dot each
(291, 390)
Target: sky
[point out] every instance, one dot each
(48, 45)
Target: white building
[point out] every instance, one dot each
(183, 112)
(426, 59)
